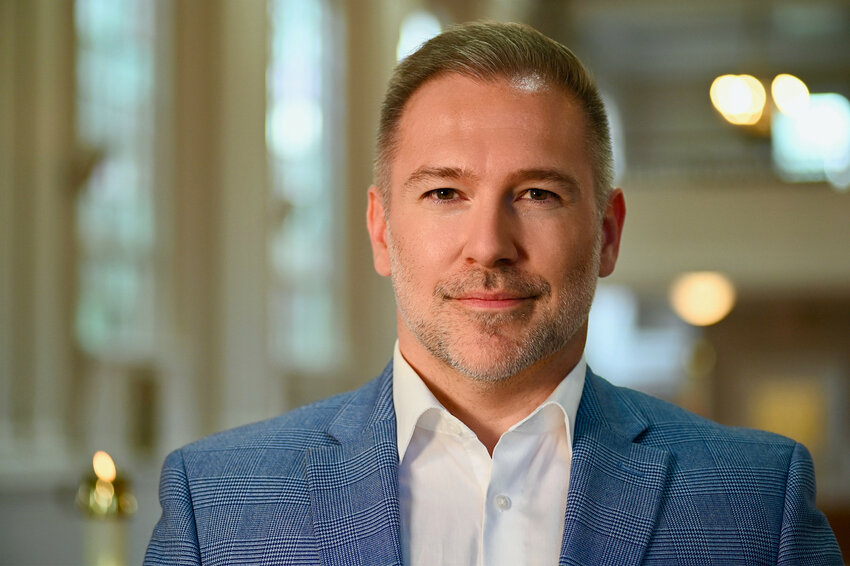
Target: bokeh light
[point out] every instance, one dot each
(104, 466)
(814, 143)
(740, 99)
(790, 94)
(702, 298)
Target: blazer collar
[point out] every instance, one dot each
(615, 483)
(353, 484)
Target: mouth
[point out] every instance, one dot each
(489, 300)
(489, 292)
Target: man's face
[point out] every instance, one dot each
(492, 237)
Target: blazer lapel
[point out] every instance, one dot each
(615, 483)
(354, 485)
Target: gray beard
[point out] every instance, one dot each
(549, 335)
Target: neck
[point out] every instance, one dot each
(491, 408)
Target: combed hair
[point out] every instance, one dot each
(488, 51)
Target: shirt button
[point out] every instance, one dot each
(503, 502)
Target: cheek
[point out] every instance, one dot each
(570, 251)
(408, 258)
(424, 249)
(415, 267)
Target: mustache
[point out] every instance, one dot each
(508, 279)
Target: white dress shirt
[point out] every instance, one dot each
(459, 506)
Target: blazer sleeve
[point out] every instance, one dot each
(175, 537)
(806, 537)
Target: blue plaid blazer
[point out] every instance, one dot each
(650, 484)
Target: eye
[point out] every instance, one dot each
(539, 195)
(441, 194)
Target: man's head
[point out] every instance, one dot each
(497, 232)
(487, 51)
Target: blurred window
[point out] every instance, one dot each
(115, 222)
(643, 346)
(813, 144)
(304, 124)
(417, 27)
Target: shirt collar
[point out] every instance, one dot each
(412, 399)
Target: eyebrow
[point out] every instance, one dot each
(437, 173)
(552, 175)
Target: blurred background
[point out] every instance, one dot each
(183, 246)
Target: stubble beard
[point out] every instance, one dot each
(501, 353)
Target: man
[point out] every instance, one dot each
(487, 440)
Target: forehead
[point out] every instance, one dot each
(490, 126)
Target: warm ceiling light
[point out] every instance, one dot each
(739, 98)
(790, 94)
(702, 298)
(104, 466)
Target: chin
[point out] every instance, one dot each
(488, 372)
(492, 359)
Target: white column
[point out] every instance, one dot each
(52, 199)
(372, 34)
(248, 389)
(36, 66)
(184, 198)
(7, 150)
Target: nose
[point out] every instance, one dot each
(491, 235)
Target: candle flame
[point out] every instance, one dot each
(104, 466)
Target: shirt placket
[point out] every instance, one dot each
(503, 525)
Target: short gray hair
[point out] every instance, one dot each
(487, 51)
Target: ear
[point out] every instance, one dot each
(612, 230)
(376, 223)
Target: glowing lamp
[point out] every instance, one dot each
(702, 298)
(740, 99)
(104, 466)
(790, 94)
(104, 496)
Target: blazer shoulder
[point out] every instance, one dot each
(760, 483)
(672, 426)
(305, 427)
